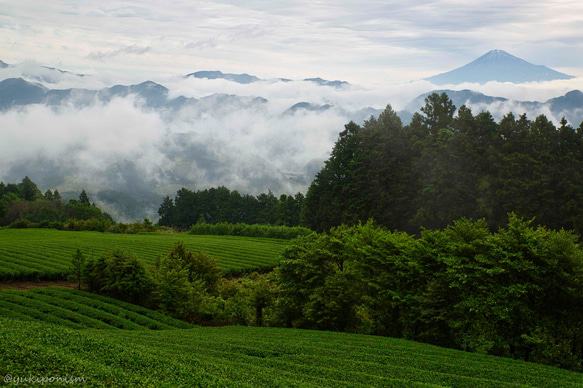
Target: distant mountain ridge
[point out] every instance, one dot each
(247, 79)
(323, 82)
(238, 78)
(17, 92)
(498, 65)
(50, 74)
(35, 72)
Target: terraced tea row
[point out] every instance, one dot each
(78, 309)
(46, 254)
(257, 357)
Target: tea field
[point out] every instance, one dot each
(237, 356)
(79, 309)
(45, 254)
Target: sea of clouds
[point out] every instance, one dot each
(143, 154)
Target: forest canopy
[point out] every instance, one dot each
(24, 205)
(218, 205)
(442, 167)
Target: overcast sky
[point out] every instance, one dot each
(361, 42)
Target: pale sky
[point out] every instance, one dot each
(361, 42)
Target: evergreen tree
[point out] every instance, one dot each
(84, 198)
(57, 196)
(28, 190)
(267, 208)
(438, 111)
(333, 197)
(388, 187)
(76, 268)
(166, 212)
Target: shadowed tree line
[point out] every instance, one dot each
(24, 205)
(442, 167)
(220, 205)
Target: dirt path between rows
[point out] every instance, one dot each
(19, 285)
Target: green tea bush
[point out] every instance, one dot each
(267, 231)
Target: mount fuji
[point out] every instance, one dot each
(498, 65)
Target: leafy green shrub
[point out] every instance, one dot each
(57, 225)
(256, 230)
(174, 293)
(77, 265)
(318, 284)
(20, 224)
(184, 282)
(120, 275)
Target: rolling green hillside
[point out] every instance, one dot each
(254, 357)
(34, 254)
(79, 309)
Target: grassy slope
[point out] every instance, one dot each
(257, 357)
(34, 254)
(80, 309)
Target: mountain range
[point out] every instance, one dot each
(247, 79)
(47, 74)
(497, 65)
(16, 92)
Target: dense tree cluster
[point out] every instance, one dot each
(219, 204)
(441, 168)
(24, 205)
(186, 285)
(516, 293)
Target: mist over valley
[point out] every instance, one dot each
(131, 143)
